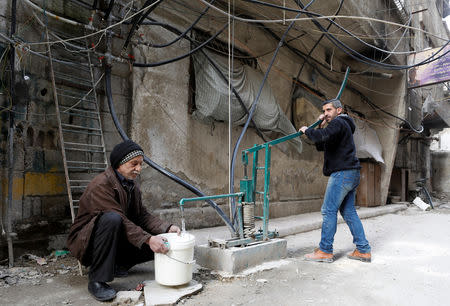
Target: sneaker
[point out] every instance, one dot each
(357, 255)
(320, 256)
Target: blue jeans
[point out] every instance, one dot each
(340, 195)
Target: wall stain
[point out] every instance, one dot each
(35, 184)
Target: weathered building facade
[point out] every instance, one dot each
(156, 105)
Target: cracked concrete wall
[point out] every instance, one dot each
(199, 152)
(152, 106)
(40, 208)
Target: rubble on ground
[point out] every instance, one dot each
(32, 270)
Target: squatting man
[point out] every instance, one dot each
(113, 231)
(342, 166)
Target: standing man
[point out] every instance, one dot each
(113, 231)
(342, 166)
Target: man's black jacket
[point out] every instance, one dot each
(337, 142)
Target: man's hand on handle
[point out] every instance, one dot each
(321, 125)
(157, 245)
(174, 229)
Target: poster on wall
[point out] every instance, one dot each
(437, 71)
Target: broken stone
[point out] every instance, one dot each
(33, 273)
(3, 274)
(156, 294)
(41, 261)
(127, 296)
(11, 280)
(262, 280)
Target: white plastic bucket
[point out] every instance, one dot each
(175, 267)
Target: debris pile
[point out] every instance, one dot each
(31, 269)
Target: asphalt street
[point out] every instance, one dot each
(410, 266)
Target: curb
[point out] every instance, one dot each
(363, 213)
(296, 224)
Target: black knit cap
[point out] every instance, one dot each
(121, 151)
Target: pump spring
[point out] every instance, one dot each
(248, 212)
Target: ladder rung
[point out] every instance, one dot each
(71, 81)
(81, 127)
(83, 52)
(77, 94)
(83, 169)
(86, 176)
(77, 187)
(79, 100)
(73, 64)
(70, 108)
(259, 168)
(73, 97)
(79, 181)
(259, 192)
(70, 77)
(79, 115)
(82, 144)
(85, 162)
(81, 132)
(84, 150)
(258, 217)
(86, 168)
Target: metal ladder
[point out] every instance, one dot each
(78, 116)
(400, 5)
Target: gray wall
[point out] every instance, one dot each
(441, 171)
(152, 105)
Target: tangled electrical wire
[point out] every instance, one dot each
(139, 16)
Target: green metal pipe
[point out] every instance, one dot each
(237, 194)
(266, 191)
(254, 173)
(279, 140)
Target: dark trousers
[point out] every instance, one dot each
(109, 248)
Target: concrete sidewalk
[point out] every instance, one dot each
(293, 224)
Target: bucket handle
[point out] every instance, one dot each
(183, 262)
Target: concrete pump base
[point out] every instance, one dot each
(237, 259)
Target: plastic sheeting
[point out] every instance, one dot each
(366, 141)
(211, 96)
